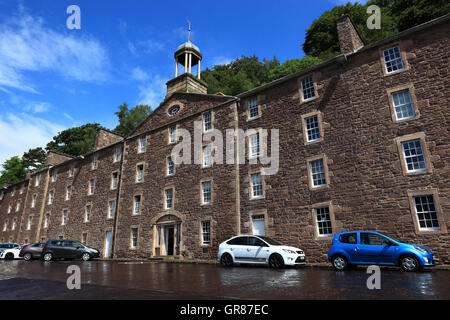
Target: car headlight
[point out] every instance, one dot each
(289, 251)
(420, 249)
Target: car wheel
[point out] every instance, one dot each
(48, 257)
(27, 256)
(9, 256)
(226, 260)
(276, 261)
(339, 263)
(409, 263)
(86, 257)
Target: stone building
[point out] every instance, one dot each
(364, 144)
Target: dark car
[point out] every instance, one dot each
(31, 251)
(68, 249)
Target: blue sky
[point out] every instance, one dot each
(53, 78)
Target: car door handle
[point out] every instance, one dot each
(356, 249)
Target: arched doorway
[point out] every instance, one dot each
(167, 236)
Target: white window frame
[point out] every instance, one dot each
(310, 82)
(395, 59)
(111, 209)
(170, 166)
(172, 134)
(207, 156)
(255, 145)
(253, 104)
(207, 121)
(64, 217)
(19, 202)
(95, 162)
(314, 174)
(166, 198)
(322, 212)
(142, 145)
(91, 188)
(46, 220)
(114, 180)
(206, 232)
(405, 157)
(33, 200)
(50, 197)
(134, 238)
(428, 212)
(257, 187)
(30, 221)
(401, 105)
(118, 154)
(206, 194)
(139, 173)
(68, 192)
(137, 205)
(311, 129)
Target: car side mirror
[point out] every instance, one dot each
(78, 248)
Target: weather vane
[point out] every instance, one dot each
(189, 34)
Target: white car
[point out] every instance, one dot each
(10, 251)
(250, 249)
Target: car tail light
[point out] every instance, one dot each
(24, 247)
(330, 246)
(43, 248)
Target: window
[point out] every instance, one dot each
(426, 212)
(172, 134)
(14, 224)
(91, 186)
(22, 188)
(54, 174)
(118, 154)
(323, 221)
(308, 91)
(259, 225)
(84, 238)
(207, 158)
(349, 238)
(142, 144)
(30, 219)
(255, 242)
(393, 59)
(33, 201)
(140, 173)
(87, 215)
(18, 205)
(64, 217)
(95, 162)
(169, 198)
(414, 156)
(68, 192)
(317, 171)
(207, 121)
(372, 239)
(134, 238)
(137, 205)
(37, 180)
(255, 148)
(403, 106)
(5, 226)
(170, 166)
(1, 195)
(111, 208)
(13, 192)
(47, 219)
(72, 170)
(206, 232)
(253, 109)
(50, 197)
(238, 241)
(206, 192)
(257, 187)
(9, 208)
(312, 129)
(114, 179)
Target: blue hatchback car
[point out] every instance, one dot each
(372, 248)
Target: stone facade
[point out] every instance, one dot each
(367, 184)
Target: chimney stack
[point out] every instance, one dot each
(349, 38)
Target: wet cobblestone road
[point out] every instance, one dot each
(125, 280)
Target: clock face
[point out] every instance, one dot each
(174, 110)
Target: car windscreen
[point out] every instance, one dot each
(271, 241)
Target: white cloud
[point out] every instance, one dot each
(220, 60)
(139, 75)
(38, 107)
(21, 132)
(27, 44)
(152, 92)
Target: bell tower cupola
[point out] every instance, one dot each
(187, 56)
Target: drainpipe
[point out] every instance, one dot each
(236, 168)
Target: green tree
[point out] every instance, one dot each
(292, 66)
(13, 171)
(322, 38)
(34, 159)
(129, 119)
(410, 13)
(75, 141)
(240, 75)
